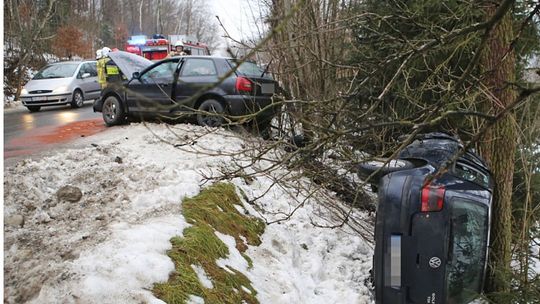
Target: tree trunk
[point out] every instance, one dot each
(498, 68)
(140, 16)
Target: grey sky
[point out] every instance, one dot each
(240, 17)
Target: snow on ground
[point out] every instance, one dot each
(535, 256)
(10, 104)
(109, 247)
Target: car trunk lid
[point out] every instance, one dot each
(427, 258)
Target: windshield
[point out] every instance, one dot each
(57, 71)
(468, 173)
(247, 68)
(468, 240)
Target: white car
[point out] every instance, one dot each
(70, 82)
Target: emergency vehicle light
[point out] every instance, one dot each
(137, 40)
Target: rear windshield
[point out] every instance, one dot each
(57, 71)
(247, 68)
(467, 250)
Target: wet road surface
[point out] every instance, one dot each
(26, 133)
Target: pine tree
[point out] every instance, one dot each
(498, 148)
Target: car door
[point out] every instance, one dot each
(151, 92)
(196, 74)
(94, 88)
(85, 84)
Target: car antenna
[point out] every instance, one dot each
(266, 68)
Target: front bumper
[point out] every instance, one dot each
(98, 105)
(46, 99)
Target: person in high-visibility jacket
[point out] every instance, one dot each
(112, 72)
(108, 71)
(101, 61)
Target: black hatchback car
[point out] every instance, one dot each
(431, 235)
(202, 85)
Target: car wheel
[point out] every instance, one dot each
(33, 108)
(78, 99)
(366, 169)
(211, 120)
(263, 126)
(113, 114)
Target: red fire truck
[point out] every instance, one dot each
(153, 49)
(191, 45)
(158, 48)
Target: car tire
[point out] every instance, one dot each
(113, 113)
(77, 99)
(366, 169)
(34, 108)
(211, 106)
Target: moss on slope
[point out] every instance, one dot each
(212, 210)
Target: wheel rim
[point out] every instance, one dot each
(78, 98)
(211, 120)
(109, 110)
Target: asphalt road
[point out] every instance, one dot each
(27, 133)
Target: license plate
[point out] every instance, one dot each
(267, 88)
(39, 98)
(395, 261)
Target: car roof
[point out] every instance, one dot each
(72, 62)
(66, 62)
(212, 56)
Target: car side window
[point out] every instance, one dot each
(161, 73)
(92, 69)
(199, 67)
(82, 70)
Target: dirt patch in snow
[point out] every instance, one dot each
(54, 232)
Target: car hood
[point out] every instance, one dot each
(47, 84)
(129, 63)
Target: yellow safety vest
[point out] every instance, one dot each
(102, 79)
(112, 70)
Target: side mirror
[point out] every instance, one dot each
(85, 75)
(136, 75)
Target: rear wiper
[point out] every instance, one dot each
(266, 68)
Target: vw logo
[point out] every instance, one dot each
(434, 262)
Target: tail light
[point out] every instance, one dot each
(243, 84)
(432, 197)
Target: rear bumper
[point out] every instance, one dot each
(391, 236)
(240, 105)
(46, 100)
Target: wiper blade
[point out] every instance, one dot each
(266, 68)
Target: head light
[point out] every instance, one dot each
(24, 91)
(62, 89)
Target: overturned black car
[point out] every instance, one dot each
(212, 89)
(431, 234)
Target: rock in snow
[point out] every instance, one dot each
(15, 220)
(69, 193)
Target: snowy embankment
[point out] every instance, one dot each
(109, 246)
